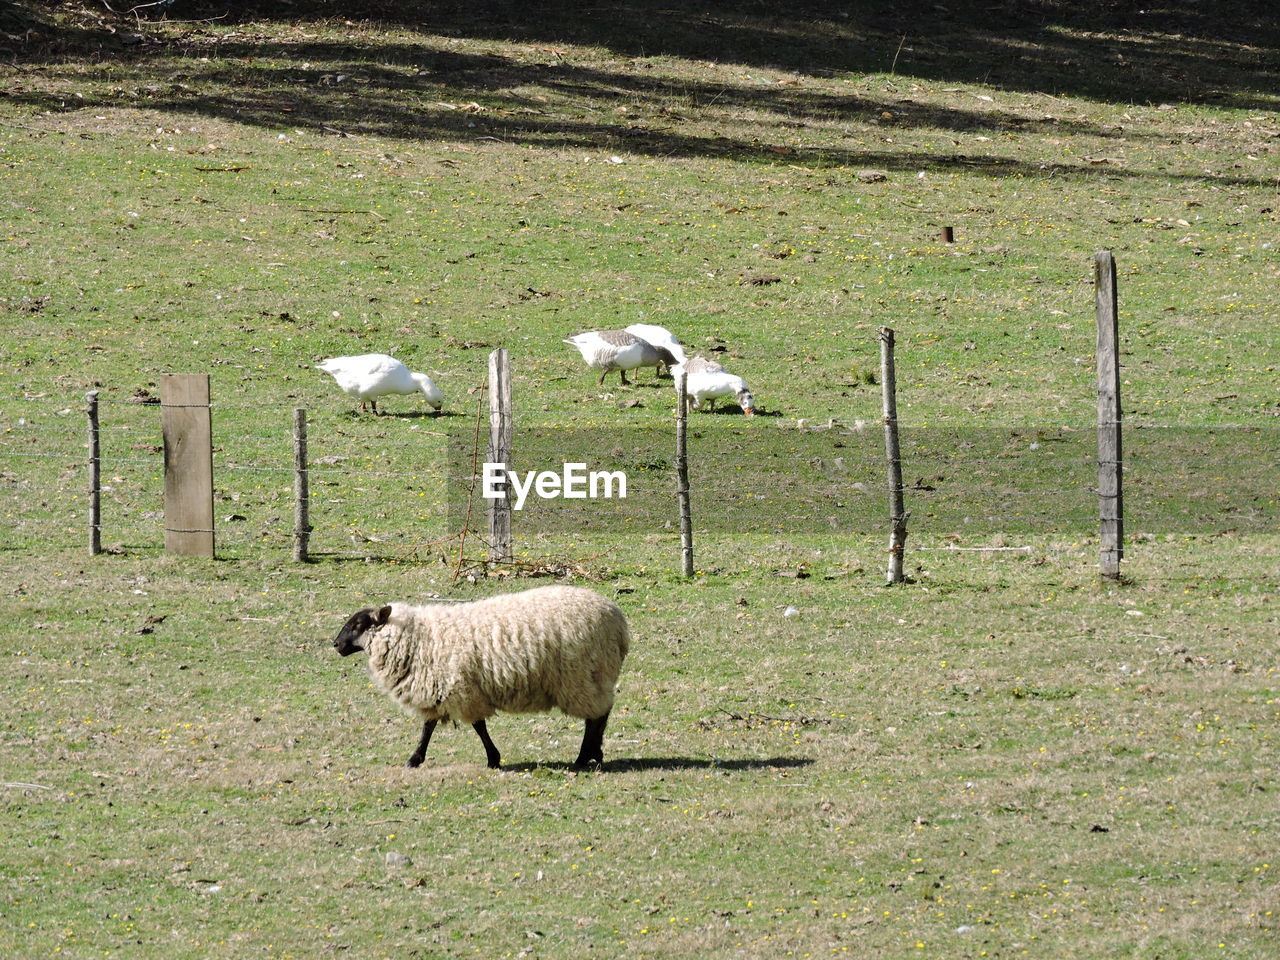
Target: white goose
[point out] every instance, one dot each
(659, 337)
(609, 350)
(707, 380)
(372, 375)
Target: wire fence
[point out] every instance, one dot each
(397, 488)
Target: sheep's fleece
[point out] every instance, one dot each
(523, 652)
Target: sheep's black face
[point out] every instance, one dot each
(348, 639)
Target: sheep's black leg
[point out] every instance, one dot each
(490, 751)
(592, 743)
(428, 727)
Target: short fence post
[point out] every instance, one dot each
(188, 464)
(301, 487)
(95, 477)
(682, 478)
(897, 510)
(500, 452)
(1110, 455)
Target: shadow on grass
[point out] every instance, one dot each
(277, 66)
(642, 764)
(1182, 50)
(427, 415)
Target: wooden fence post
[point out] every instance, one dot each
(95, 477)
(682, 478)
(188, 464)
(897, 510)
(301, 487)
(500, 432)
(1110, 447)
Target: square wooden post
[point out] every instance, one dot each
(188, 464)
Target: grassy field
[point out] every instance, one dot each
(1005, 757)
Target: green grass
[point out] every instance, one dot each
(1004, 758)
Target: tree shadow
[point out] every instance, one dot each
(642, 764)
(1182, 51)
(406, 84)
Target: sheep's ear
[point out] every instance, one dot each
(381, 615)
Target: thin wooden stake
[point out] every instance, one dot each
(500, 452)
(1110, 447)
(188, 464)
(301, 488)
(682, 478)
(897, 509)
(95, 477)
(893, 67)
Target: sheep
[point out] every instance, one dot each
(522, 652)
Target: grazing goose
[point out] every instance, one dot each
(659, 337)
(372, 375)
(609, 350)
(701, 365)
(707, 380)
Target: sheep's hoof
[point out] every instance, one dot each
(414, 762)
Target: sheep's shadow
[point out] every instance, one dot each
(642, 764)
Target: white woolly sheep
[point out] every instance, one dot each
(520, 652)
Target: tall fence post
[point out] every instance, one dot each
(301, 488)
(897, 510)
(188, 464)
(95, 476)
(682, 477)
(1110, 447)
(500, 452)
